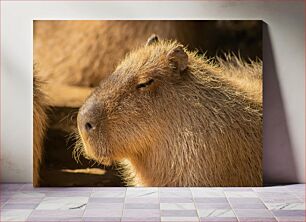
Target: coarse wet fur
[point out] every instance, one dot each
(39, 126)
(82, 53)
(173, 118)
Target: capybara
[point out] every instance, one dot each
(82, 53)
(174, 118)
(39, 126)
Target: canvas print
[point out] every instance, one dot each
(147, 103)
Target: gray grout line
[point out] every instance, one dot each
(230, 205)
(158, 196)
(195, 206)
(5, 202)
(37, 204)
(23, 186)
(266, 205)
(123, 207)
(197, 210)
(294, 194)
(92, 190)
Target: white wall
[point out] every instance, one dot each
(284, 57)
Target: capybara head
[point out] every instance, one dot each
(177, 119)
(129, 110)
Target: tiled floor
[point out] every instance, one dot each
(22, 202)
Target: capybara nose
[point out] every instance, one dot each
(85, 124)
(86, 119)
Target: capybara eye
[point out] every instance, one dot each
(143, 85)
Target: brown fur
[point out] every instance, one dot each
(39, 126)
(199, 125)
(84, 52)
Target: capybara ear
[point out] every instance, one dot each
(153, 39)
(178, 58)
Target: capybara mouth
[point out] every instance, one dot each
(105, 161)
(90, 152)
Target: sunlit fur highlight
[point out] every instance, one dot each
(39, 127)
(201, 127)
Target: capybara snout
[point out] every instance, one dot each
(87, 117)
(90, 122)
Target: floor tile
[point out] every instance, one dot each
(289, 213)
(25, 194)
(55, 219)
(141, 219)
(62, 203)
(296, 187)
(245, 200)
(240, 194)
(239, 189)
(216, 213)
(3, 200)
(106, 200)
(109, 194)
(142, 200)
(27, 186)
(198, 192)
(210, 200)
(248, 206)
(20, 206)
(218, 219)
(278, 189)
(285, 206)
(68, 193)
(109, 189)
(178, 213)
(176, 200)
(178, 219)
(100, 205)
(142, 213)
(256, 219)
(57, 213)
(142, 193)
(175, 192)
(102, 219)
(29, 200)
(274, 197)
(15, 214)
(225, 205)
(175, 189)
(103, 213)
(177, 206)
(10, 186)
(291, 219)
(141, 206)
(259, 213)
(300, 195)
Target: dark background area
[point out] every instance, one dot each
(242, 38)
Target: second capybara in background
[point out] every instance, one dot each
(39, 128)
(173, 118)
(84, 52)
